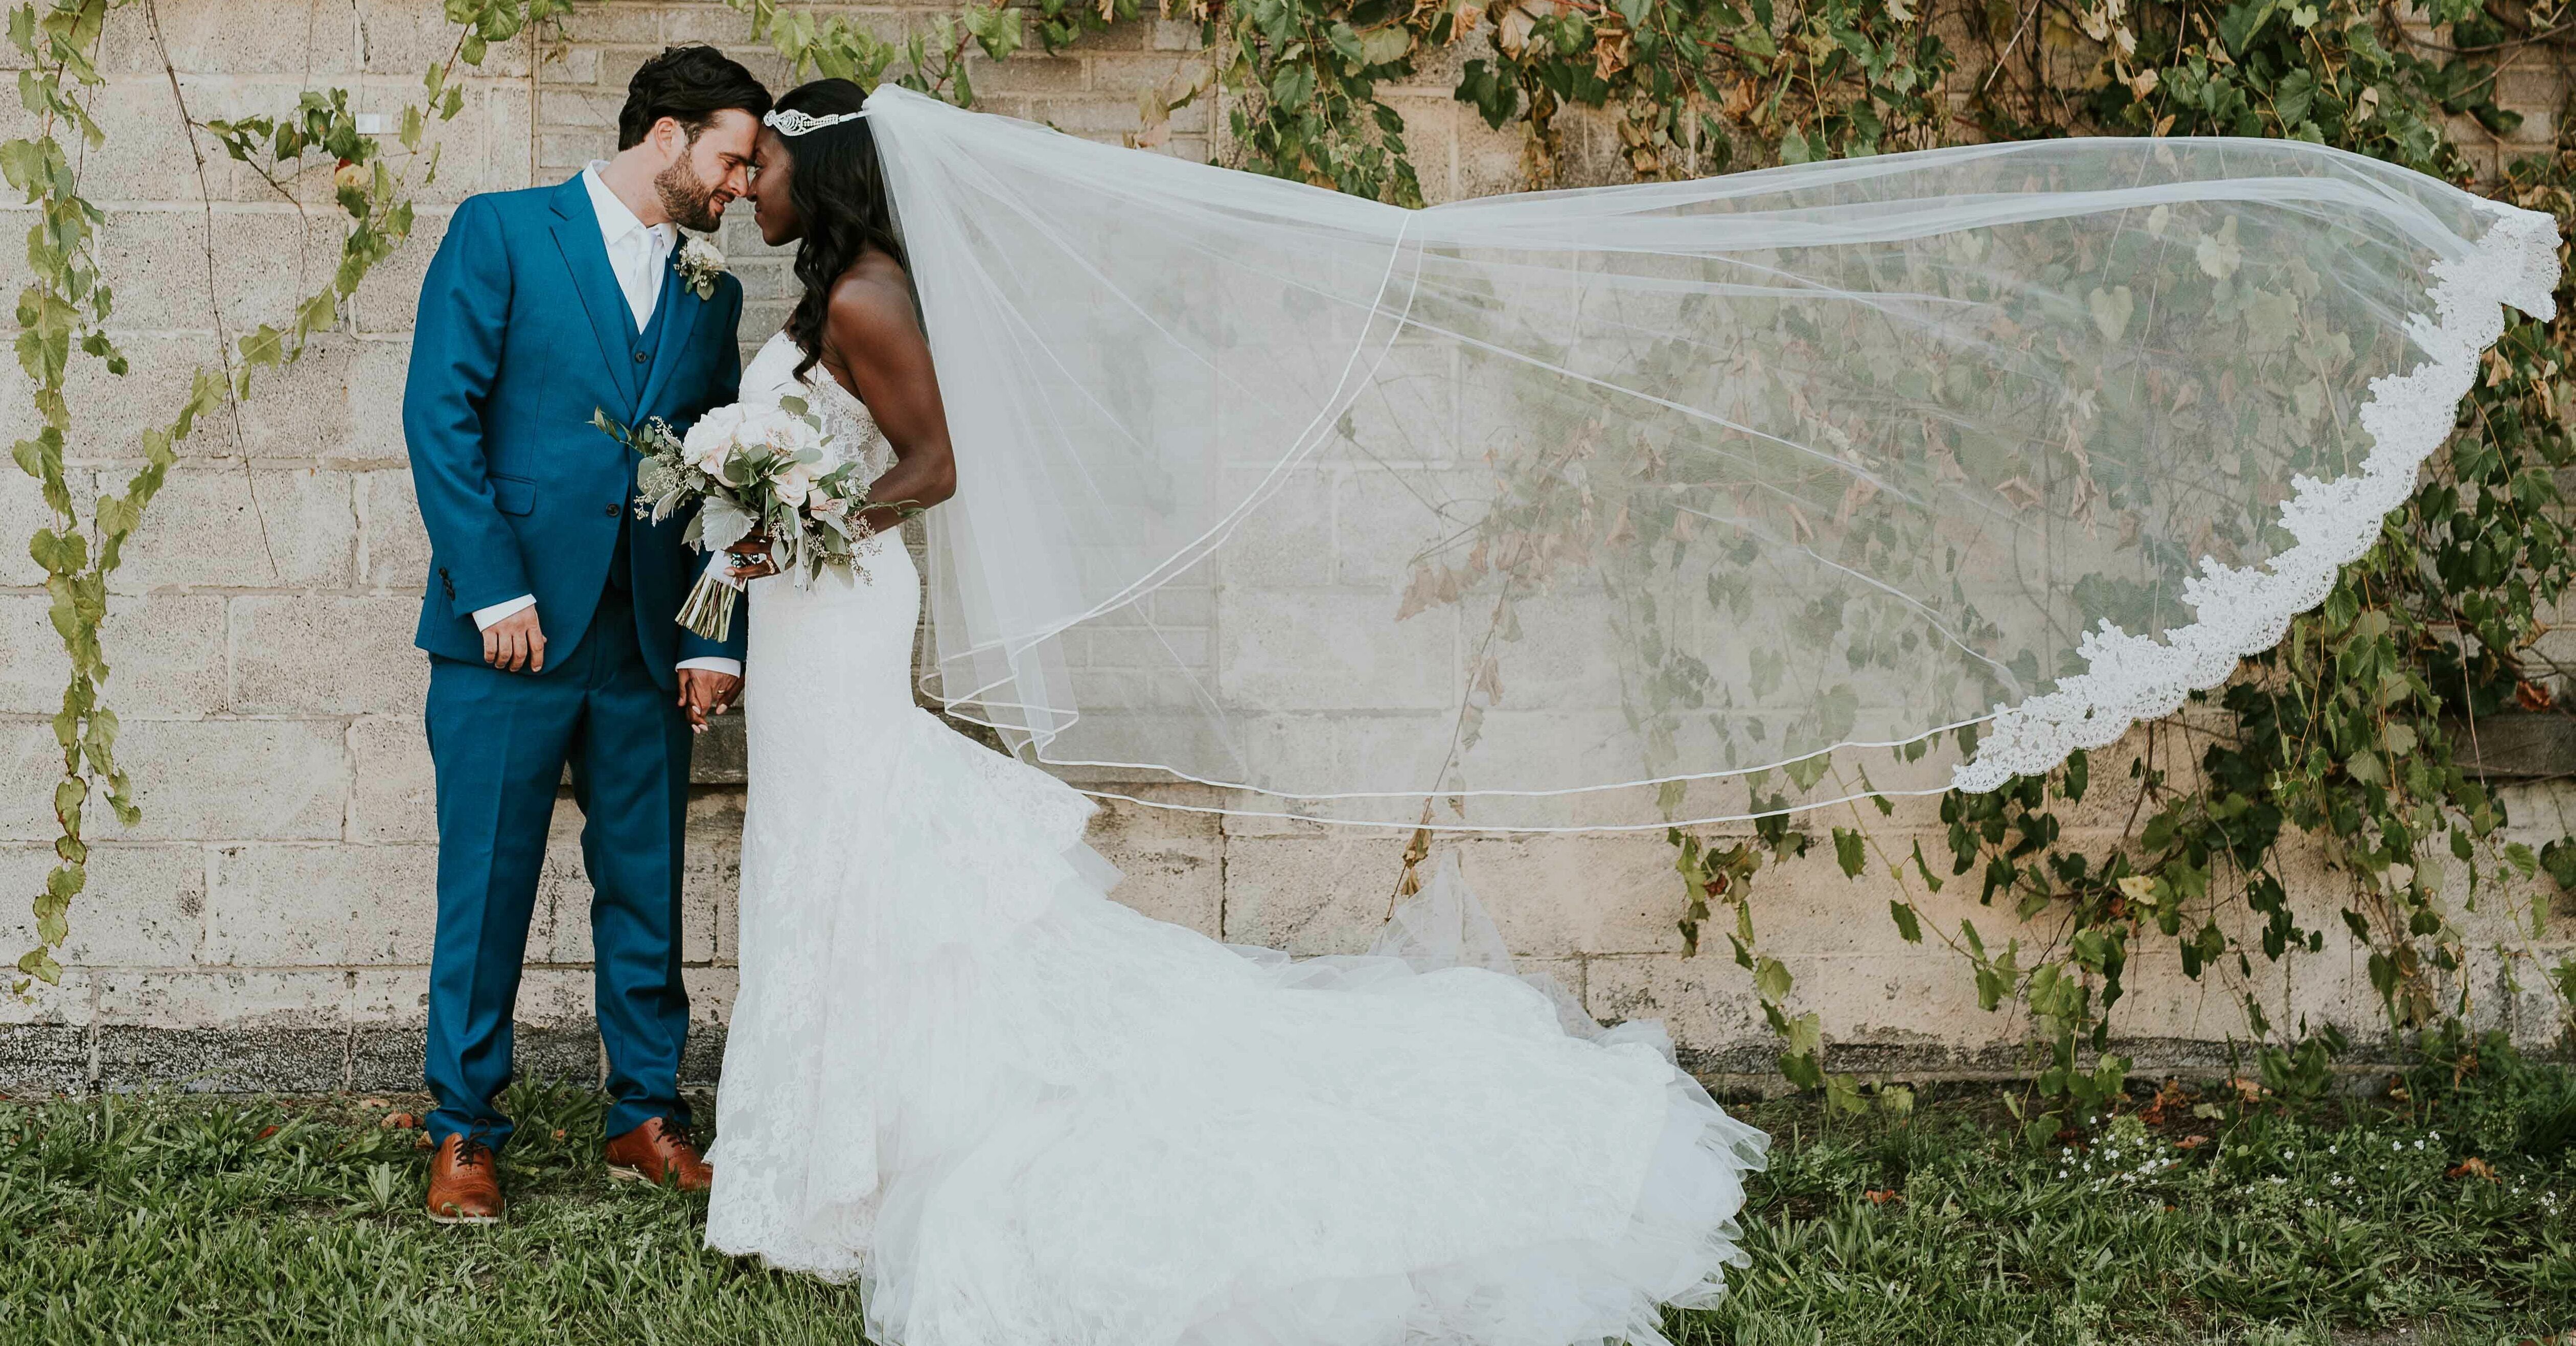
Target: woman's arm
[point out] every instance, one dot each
(875, 347)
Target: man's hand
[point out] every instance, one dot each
(516, 642)
(705, 692)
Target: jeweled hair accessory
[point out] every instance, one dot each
(794, 123)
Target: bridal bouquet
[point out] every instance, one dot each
(750, 470)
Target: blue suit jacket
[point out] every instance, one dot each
(522, 334)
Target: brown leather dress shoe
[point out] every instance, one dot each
(659, 1152)
(464, 1184)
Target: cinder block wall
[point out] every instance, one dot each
(267, 924)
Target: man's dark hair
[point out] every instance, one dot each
(690, 85)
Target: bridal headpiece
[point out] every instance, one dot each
(792, 123)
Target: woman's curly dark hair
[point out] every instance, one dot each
(838, 187)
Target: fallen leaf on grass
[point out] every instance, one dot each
(399, 1121)
(2471, 1167)
(1882, 1197)
(265, 1132)
(2191, 1142)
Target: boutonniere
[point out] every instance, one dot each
(699, 262)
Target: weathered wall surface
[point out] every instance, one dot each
(268, 923)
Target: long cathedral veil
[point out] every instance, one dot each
(1669, 502)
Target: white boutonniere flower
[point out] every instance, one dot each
(699, 262)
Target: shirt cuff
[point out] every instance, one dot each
(485, 617)
(731, 668)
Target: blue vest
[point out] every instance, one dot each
(647, 346)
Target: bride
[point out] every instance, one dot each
(1947, 464)
(1024, 1115)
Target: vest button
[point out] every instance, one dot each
(641, 357)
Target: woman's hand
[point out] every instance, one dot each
(752, 558)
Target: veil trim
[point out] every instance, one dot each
(2244, 611)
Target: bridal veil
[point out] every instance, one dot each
(1667, 502)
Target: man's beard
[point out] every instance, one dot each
(687, 199)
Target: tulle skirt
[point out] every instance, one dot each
(1024, 1115)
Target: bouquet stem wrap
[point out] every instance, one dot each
(708, 610)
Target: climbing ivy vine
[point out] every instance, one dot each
(66, 305)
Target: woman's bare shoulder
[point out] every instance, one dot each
(872, 299)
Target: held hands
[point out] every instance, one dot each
(705, 692)
(516, 643)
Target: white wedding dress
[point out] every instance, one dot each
(1024, 1115)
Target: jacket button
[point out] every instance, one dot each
(641, 357)
(612, 511)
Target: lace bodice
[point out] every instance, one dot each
(853, 430)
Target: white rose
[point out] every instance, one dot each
(794, 483)
(714, 437)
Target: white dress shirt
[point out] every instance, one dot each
(637, 252)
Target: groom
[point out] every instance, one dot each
(548, 617)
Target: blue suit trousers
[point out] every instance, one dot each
(500, 742)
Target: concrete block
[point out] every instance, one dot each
(145, 157)
(265, 259)
(1287, 540)
(223, 1059)
(1707, 1003)
(1310, 895)
(35, 761)
(1288, 651)
(712, 878)
(377, 369)
(196, 998)
(1171, 879)
(721, 755)
(387, 1057)
(304, 410)
(334, 905)
(393, 544)
(326, 654)
(1036, 73)
(1083, 115)
(165, 655)
(219, 525)
(390, 997)
(43, 1060)
(390, 295)
(234, 39)
(143, 907)
(393, 787)
(22, 512)
(1560, 895)
(236, 780)
(110, 413)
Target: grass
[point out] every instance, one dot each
(2201, 1217)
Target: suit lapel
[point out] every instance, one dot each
(576, 229)
(680, 308)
